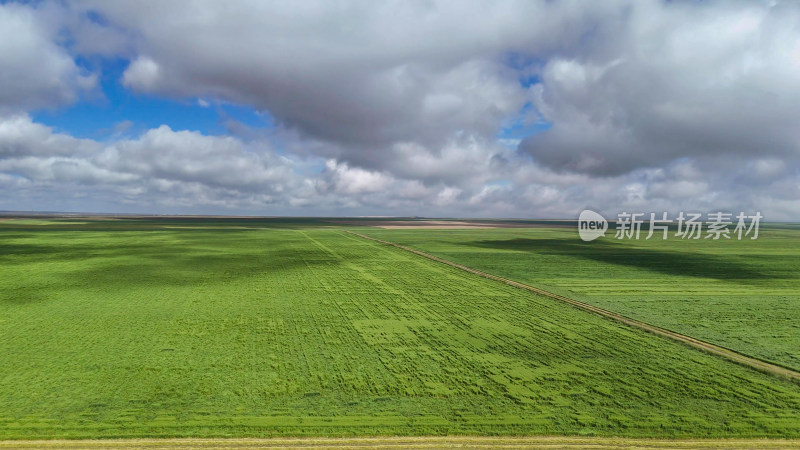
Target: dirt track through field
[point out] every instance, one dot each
(739, 358)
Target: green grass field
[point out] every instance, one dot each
(193, 328)
(743, 295)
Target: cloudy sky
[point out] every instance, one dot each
(433, 108)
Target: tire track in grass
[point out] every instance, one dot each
(708, 347)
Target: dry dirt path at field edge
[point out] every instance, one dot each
(749, 361)
(420, 442)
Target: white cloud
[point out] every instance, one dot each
(346, 180)
(142, 74)
(163, 170)
(36, 73)
(186, 156)
(395, 107)
(161, 166)
(701, 80)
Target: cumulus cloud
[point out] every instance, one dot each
(160, 166)
(343, 179)
(717, 79)
(400, 107)
(36, 72)
(363, 76)
(187, 156)
(21, 137)
(164, 168)
(142, 74)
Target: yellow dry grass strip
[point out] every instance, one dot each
(422, 442)
(755, 363)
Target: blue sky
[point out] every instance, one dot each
(97, 115)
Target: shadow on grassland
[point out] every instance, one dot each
(77, 246)
(670, 263)
(195, 269)
(153, 266)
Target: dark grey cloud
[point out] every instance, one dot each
(360, 76)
